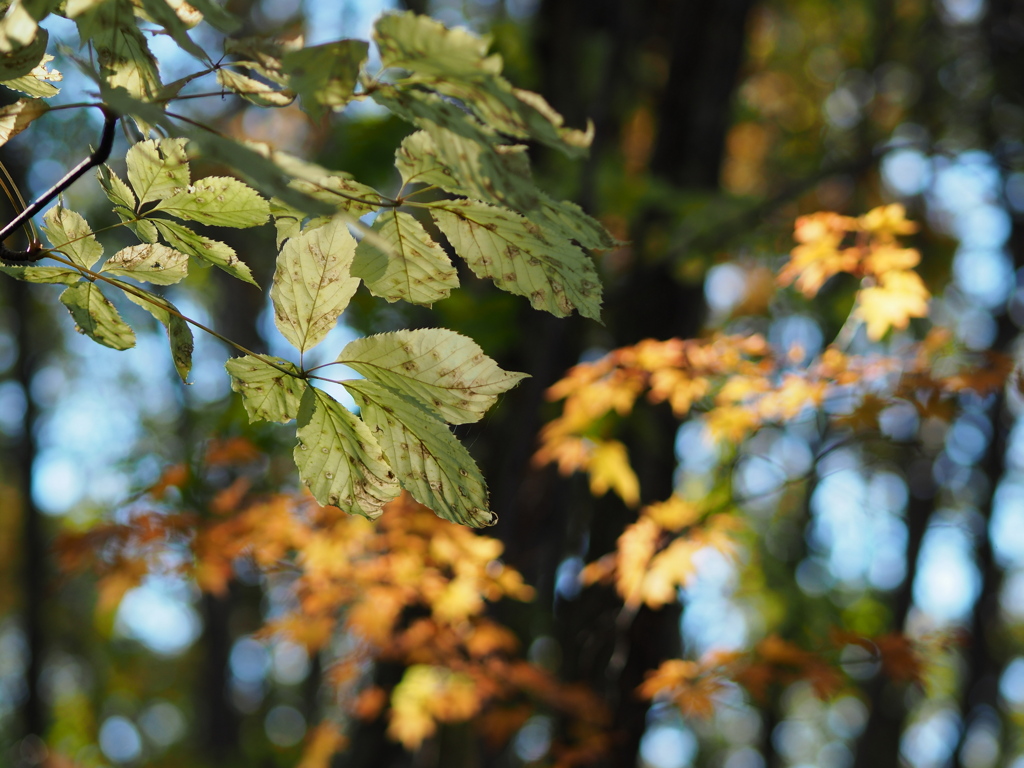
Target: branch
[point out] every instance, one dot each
(98, 157)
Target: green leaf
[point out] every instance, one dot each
(14, 118)
(214, 252)
(216, 15)
(149, 262)
(570, 222)
(70, 234)
(116, 190)
(268, 393)
(255, 163)
(161, 12)
(35, 83)
(464, 158)
(220, 201)
(325, 76)
(96, 317)
(339, 458)
(122, 102)
(254, 91)
(121, 47)
(413, 268)
(19, 53)
(158, 169)
(520, 258)
(420, 44)
(179, 335)
(61, 275)
(312, 283)
(431, 464)
(338, 190)
(444, 370)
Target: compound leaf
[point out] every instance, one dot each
(214, 252)
(268, 393)
(220, 201)
(150, 263)
(121, 47)
(158, 169)
(325, 76)
(339, 459)
(413, 268)
(29, 274)
(96, 317)
(431, 464)
(445, 371)
(70, 234)
(313, 284)
(179, 335)
(520, 258)
(252, 90)
(421, 44)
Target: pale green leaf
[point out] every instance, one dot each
(18, 57)
(179, 335)
(150, 263)
(571, 223)
(116, 190)
(158, 169)
(39, 82)
(325, 76)
(338, 190)
(96, 317)
(268, 393)
(420, 44)
(213, 252)
(220, 201)
(29, 274)
(431, 464)
(520, 258)
(254, 91)
(145, 114)
(14, 118)
(262, 55)
(339, 458)
(444, 370)
(70, 234)
(413, 268)
(121, 47)
(313, 284)
(143, 228)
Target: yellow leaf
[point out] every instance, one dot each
(887, 221)
(898, 297)
(732, 423)
(610, 470)
(673, 514)
(668, 570)
(889, 258)
(636, 547)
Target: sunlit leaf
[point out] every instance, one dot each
(30, 274)
(179, 335)
(325, 76)
(162, 13)
(610, 470)
(70, 234)
(898, 297)
(569, 221)
(429, 461)
(339, 458)
(39, 82)
(220, 201)
(268, 393)
(421, 44)
(520, 258)
(149, 262)
(14, 118)
(443, 370)
(214, 252)
(312, 283)
(123, 53)
(414, 268)
(252, 90)
(96, 317)
(216, 15)
(158, 169)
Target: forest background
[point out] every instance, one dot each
(845, 578)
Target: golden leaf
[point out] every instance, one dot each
(610, 470)
(898, 297)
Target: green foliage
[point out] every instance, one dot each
(470, 124)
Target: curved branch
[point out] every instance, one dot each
(98, 157)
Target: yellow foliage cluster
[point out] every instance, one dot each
(867, 247)
(409, 588)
